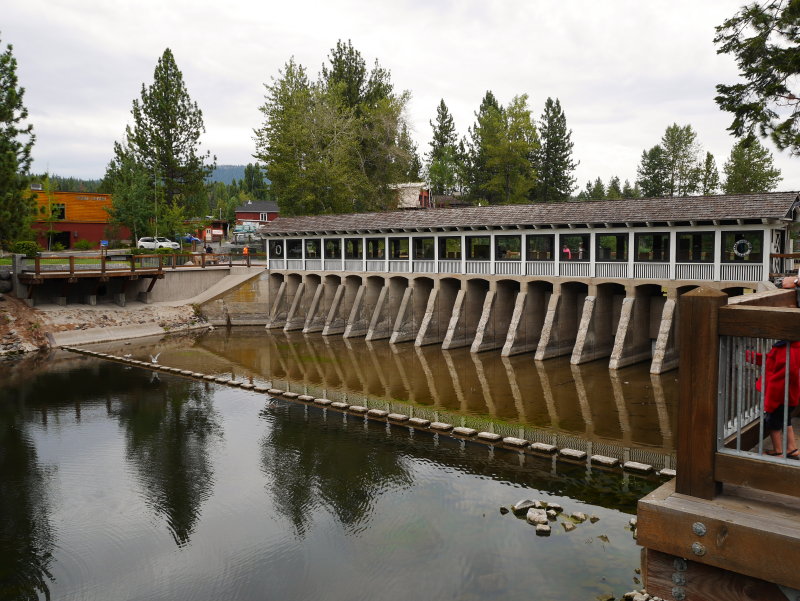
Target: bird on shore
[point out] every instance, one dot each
(154, 359)
(127, 356)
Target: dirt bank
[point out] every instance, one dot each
(24, 329)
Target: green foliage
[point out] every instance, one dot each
(614, 191)
(70, 184)
(28, 248)
(334, 145)
(443, 158)
(477, 172)
(629, 191)
(709, 176)
(163, 142)
(133, 199)
(681, 151)
(57, 247)
(16, 143)
(444, 132)
(554, 158)
(83, 244)
(750, 169)
(171, 217)
(764, 40)
(653, 173)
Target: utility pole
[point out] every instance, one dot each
(155, 197)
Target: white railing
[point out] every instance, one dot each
(656, 271)
(376, 265)
(399, 266)
(333, 264)
(450, 266)
(313, 264)
(423, 266)
(353, 265)
(694, 271)
(741, 272)
(483, 267)
(508, 267)
(611, 270)
(294, 263)
(540, 268)
(276, 264)
(573, 269)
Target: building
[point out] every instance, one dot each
(256, 212)
(412, 195)
(73, 216)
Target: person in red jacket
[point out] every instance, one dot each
(775, 411)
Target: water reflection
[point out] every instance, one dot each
(26, 537)
(306, 470)
(169, 434)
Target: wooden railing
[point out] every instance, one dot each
(128, 263)
(704, 464)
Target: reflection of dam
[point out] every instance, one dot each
(586, 407)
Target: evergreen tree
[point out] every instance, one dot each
(253, 182)
(597, 190)
(614, 191)
(164, 139)
(443, 169)
(133, 198)
(444, 131)
(750, 169)
(413, 171)
(629, 191)
(554, 158)
(478, 173)
(16, 143)
(681, 152)
(652, 175)
(764, 38)
(709, 180)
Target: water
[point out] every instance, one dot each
(119, 484)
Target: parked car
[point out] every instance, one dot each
(159, 242)
(188, 238)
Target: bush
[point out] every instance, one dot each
(25, 247)
(57, 247)
(83, 244)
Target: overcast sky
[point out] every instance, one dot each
(623, 70)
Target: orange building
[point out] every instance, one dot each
(74, 216)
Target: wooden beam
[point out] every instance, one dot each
(782, 323)
(697, 397)
(671, 577)
(757, 474)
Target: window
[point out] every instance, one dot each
(742, 247)
(313, 249)
(540, 247)
(398, 249)
(276, 249)
(294, 249)
(450, 248)
(508, 248)
(376, 248)
(478, 248)
(333, 248)
(695, 247)
(574, 247)
(611, 247)
(424, 249)
(58, 211)
(263, 217)
(353, 248)
(652, 248)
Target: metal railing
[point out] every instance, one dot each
(111, 263)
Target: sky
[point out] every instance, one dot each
(623, 69)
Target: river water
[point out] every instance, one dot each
(117, 483)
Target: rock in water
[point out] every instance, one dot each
(522, 507)
(536, 516)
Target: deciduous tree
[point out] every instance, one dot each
(652, 175)
(750, 169)
(681, 151)
(16, 143)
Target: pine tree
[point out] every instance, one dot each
(614, 191)
(652, 175)
(598, 190)
(16, 143)
(750, 169)
(443, 169)
(478, 173)
(709, 180)
(554, 159)
(164, 139)
(444, 131)
(629, 191)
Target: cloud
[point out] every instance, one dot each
(622, 69)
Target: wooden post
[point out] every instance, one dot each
(37, 265)
(102, 264)
(698, 376)
(72, 264)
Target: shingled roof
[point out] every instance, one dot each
(774, 206)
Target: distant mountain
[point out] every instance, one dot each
(227, 173)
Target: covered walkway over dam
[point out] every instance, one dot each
(586, 279)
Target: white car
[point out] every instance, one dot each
(159, 242)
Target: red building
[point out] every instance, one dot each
(256, 212)
(73, 216)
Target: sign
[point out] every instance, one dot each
(103, 242)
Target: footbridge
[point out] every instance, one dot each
(590, 280)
